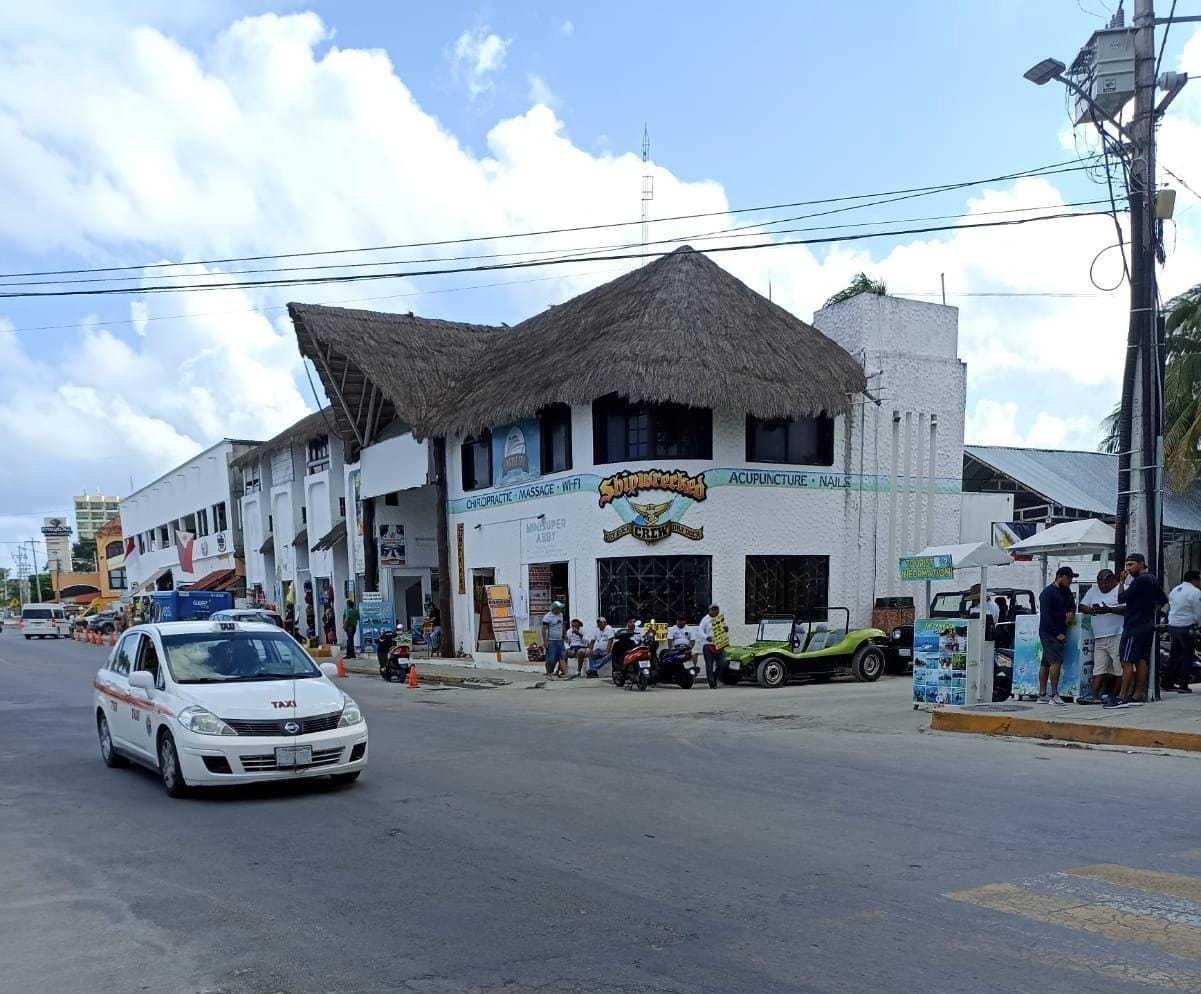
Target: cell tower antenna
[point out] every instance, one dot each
(648, 188)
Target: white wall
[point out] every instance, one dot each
(844, 512)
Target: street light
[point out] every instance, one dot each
(1045, 71)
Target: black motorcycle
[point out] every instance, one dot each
(677, 666)
(393, 656)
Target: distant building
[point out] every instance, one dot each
(91, 512)
(181, 531)
(110, 555)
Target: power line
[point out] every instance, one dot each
(363, 277)
(1164, 41)
(1067, 166)
(738, 231)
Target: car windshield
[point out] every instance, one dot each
(775, 630)
(36, 612)
(225, 657)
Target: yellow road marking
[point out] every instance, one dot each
(1057, 909)
(1172, 884)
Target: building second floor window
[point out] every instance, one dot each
(187, 524)
(220, 521)
(796, 441)
(477, 461)
(341, 507)
(304, 515)
(113, 550)
(623, 431)
(116, 579)
(554, 426)
(252, 479)
(142, 544)
(164, 536)
(202, 522)
(318, 451)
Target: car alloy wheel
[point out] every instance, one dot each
(107, 751)
(168, 767)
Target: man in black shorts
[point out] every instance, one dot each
(1142, 596)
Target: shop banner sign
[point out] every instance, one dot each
(544, 539)
(391, 545)
(940, 661)
(516, 453)
(927, 568)
(1077, 671)
(462, 558)
(500, 606)
(356, 486)
(648, 520)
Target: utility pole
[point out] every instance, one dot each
(1116, 66)
(1142, 481)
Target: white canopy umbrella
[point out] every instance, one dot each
(970, 554)
(1086, 538)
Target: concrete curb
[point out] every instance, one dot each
(1064, 731)
(424, 677)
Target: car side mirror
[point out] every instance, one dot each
(329, 669)
(142, 680)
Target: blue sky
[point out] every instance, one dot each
(139, 134)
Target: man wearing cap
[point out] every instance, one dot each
(1142, 597)
(1184, 614)
(1056, 612)
(714, 640)
(552, 638)
(1101, 603)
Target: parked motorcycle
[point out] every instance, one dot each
(631, 659)
(394, 657)
(676, 665)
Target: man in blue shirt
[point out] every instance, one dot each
(1142, 597)
(1056, 612)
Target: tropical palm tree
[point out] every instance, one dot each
(860, 284)
(1181, 393)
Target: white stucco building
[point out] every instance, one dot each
(293, 507)
(665, 441)
(182, 530)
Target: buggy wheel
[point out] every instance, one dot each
(772, 672)
(868, 664)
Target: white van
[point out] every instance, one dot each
(45, 621)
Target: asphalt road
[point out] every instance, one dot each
(519, 841)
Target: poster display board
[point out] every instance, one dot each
(940, 651)
(375, 617)
(926, 568)
(500, 606)
(1077, 670)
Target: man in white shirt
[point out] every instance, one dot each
(1184, 613)
(598, 648)
(714, 639)
(1101, 603)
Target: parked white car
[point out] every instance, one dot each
(210, 703)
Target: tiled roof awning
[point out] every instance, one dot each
(332, 537)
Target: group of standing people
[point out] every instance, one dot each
(566, 642)
(1124, 608)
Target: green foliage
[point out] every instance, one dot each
(860, 284)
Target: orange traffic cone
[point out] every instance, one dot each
(341, 667)
(412, 676)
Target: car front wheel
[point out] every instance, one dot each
(168, 768)
(772, 673)
(868, 664)
(112, 759)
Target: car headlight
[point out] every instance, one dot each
(896, 635)
(351, 715)
(203, 722)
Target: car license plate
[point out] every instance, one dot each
(734, 664)
(286, 756)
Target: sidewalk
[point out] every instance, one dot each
(1172, 723)
(461, 671)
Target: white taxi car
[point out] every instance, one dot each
(210, 703)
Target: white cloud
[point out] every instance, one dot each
(567, 29)
(540, 92)
(995, 423)
(478, 54)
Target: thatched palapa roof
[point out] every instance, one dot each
(680, 329)
(377, 368)
(310, 426)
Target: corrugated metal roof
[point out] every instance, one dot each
(1084, 481)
